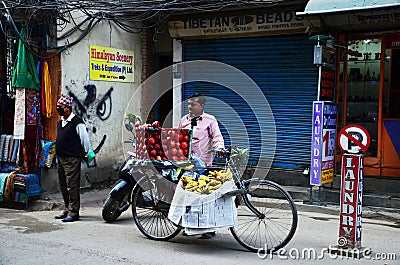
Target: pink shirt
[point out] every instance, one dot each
(206, 136)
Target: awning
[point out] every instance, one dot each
(329, 6)
(353, 15)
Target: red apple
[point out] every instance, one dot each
(184, 145)
(152, 141)
(153, 153)
(185, 152)
(173, 151)
(174, 158)
(137, 124)
(156, 124)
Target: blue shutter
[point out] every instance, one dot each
(283, 69)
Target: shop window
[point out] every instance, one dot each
(362, 94)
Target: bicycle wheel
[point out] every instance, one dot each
(267, 217)
(150, 214)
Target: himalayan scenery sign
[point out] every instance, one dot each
(109, 64)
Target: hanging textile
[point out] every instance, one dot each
(47, 103)
(31, 130)
(19, 116)
(25, 74)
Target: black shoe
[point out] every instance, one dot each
(207, 235)
(71, 218)
(61, 216)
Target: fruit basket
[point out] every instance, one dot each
(157, 143)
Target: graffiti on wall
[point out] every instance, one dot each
(92, 108)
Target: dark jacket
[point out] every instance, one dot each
(68, 142)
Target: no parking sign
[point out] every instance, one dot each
(354, 138)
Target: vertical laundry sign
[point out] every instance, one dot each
(109, 64)
(323, 142)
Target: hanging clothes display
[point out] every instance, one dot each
(25, 74)
(47, 104)
(19, 115)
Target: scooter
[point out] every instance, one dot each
(118, 199)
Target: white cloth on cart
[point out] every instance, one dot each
(200, 213)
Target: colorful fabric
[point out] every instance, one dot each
(3, 179)
(15, 151)
(47, 103)
(6, 148)
(2, 143)
(10, 149)
(65, 100)
(9, 186)
(32, 107)
(25, 74)
(20, 197)
(19, 116)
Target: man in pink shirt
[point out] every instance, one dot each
(206, 134)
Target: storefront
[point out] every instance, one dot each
(368, 81)
(272, 48)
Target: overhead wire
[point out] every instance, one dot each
(132, 16)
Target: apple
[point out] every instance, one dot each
(137, 124)
(174, 158)
(152, 141)
(173, 152)
(180, 137)
(186, 138)
(158, 157)
(156, 124)
(184, 145)
(157, 147)
(185, 152)
(153, 153)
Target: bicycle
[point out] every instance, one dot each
(266, 213)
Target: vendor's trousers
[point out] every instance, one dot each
(69, 175)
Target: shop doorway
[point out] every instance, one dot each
(369, 95)
(162, 110)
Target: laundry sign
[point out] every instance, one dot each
(110, 64)
(232, 25)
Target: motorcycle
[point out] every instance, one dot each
(118, 199)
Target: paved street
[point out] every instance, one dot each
(37, 238)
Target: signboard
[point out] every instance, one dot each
(392, 41)
(327, 84)
(351, 201)
(323, 142)
(354, 138)
(233, 25)
(109, 64)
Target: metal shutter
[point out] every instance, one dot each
(282, 68)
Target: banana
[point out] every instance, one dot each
(202, 183)
(213, 188)
(205, 178)
(215, 182)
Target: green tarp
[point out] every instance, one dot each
(25, 74)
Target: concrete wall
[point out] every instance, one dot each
(109, 126)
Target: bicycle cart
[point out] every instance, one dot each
(266, 214)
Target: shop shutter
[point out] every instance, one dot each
(282, 67)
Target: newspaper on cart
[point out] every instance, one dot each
(201, 213)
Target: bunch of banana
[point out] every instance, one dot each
(221, 175)
(206, 184)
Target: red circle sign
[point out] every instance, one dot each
(354, 138)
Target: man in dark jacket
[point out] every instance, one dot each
(72, 145)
